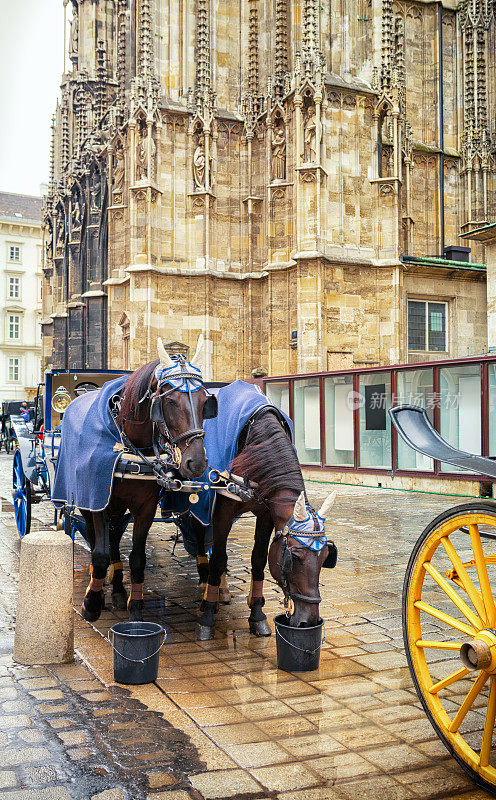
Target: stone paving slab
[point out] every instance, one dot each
(221, 721)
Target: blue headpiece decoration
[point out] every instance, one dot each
(182, 375)
(298, 528)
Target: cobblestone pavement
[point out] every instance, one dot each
(221, 721)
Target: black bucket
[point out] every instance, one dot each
(298, 649)
(136, 647)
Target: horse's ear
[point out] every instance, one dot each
(165, 359)
(197, 360)
(300, 510)
(327, 504)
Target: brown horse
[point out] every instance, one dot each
(162, 407)
(266, 459)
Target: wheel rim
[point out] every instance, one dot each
(450, 608)
(20, 495)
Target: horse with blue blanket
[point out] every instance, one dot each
(250, 441)
(157, 415)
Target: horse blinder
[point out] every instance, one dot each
(332, 556)
(156, 412)
(210, 407)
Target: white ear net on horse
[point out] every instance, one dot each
(197, 360)
(165, 359)
(327, 504)
(300, 512)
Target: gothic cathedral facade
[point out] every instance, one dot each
(281, 175)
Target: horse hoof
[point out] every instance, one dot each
(93, 605)
(136, 611)
(204, 633)
(119, 600)
(224, 597)
(260, 628)
(89, 614)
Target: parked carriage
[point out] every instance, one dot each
(9, 408)
(449, 610)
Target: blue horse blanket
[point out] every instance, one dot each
(238, 402)
(86, 460)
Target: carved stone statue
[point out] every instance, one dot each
(153, 153)
(199, 167)
(119, 170)
(60, 234)
(142, 158)
(96, 187)
(48, 243)
(278, 153)
(74, 34)
(76, 214)
(309, 151)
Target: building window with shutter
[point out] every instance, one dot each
(14, 370)
(14, 327)
(427, 326)
(14, 252)
(14, 287)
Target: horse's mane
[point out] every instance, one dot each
(134, 390)
(268, 458)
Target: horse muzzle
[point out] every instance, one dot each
(193, 464)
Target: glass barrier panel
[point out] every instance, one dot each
(374, 398)
(415, 388)
(491, 386)
(278, 393)
(307, 420)
(460, 409)
(339, 431)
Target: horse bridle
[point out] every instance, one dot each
(285, 534)
(169, 443)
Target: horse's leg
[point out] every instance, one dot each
(224, 514)
(256, 601)
(89, 528)
(203, 567)
(115, 574)
(201, 558)
(94, 600)
(144, 514)
(224, 591)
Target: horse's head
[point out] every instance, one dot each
(179, 405)
(296, 556)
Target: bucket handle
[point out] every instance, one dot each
(137, 660)
(303, 649)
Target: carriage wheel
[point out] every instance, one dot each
(449, 629)
(21, 494)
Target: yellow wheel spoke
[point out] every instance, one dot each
(454, 596)
(469, 587)
(426, 643)
(453, 678)
(468, 702)
(446, 618)
(487, 736)
(481, 566)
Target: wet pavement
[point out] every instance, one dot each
(222, 721)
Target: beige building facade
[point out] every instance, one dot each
(281, 176)
(20, 295)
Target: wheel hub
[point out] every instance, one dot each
(480, 653)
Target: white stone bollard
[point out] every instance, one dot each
(44, 632)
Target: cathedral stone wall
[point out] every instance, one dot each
(263, 173)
